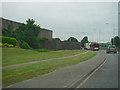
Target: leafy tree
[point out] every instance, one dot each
(72, 39)
(56, 39)
(28, 32)
(112, 41)
(84, 40)
(65, 40)
(8, 31)
(43, 38)
(117, 41)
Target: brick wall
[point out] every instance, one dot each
(60, 45)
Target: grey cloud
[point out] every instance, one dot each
(67, 19)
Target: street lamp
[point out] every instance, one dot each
(113, 31)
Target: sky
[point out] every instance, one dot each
(97, 20)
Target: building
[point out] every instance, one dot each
(4, 23)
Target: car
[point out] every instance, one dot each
(111, 48)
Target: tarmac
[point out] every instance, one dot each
(67, 77)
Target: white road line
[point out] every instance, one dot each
(91, 75)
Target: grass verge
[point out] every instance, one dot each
(11, 76)
(12, 56)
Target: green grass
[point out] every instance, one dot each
(12, 56)
(11, 76)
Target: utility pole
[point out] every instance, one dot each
(113, 34)
(113, 31)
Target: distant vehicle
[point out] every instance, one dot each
(92, 46)
(111, 48)
(95, 46)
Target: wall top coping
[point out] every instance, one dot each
(21, 23)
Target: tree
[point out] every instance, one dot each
(72, 39)
(112, 41)
(115, 41)
(28, 32)
(84, 40)
(8, 31)
(56, 39)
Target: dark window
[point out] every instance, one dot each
(111, 46)
(96, 45)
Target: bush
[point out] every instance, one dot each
(72, 39)
(56, 39)
(43, 38)
(7, 45)
(9, 40)
(25, 45)
(1, 44)
(42, 50)
(34, 43)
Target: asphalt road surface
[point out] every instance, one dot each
(106, 76)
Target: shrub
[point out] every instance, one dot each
(72, 39)
(56, 39)
(43, 38)
(1, 44)
(7, 45)
(43, 50)
(24, 45)
(34, 43)
(9, 40)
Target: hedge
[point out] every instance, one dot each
(9, 40)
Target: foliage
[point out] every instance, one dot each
(7, 45)
(42, 50)
(116, 41)
(72, 39)
(56, 39)
(65, 40)
(35, 43)
(24, 45)
(28, 32)
(9, 40)
(112, 41)
(7, 32)
(1, 44)
(84, 40)
(43, 38)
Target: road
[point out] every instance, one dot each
(106, 76)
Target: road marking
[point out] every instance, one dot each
(91, 74)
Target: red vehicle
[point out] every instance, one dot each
(95, 46)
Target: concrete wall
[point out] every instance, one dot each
(60, 45)
(5, 23)
(45, 33)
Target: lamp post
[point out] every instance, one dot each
(113, 26)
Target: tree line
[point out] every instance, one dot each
(27, 34)
(116, 41)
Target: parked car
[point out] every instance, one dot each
(111, 48)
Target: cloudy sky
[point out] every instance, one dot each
(97, 20)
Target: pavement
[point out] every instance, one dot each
(66, 77)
